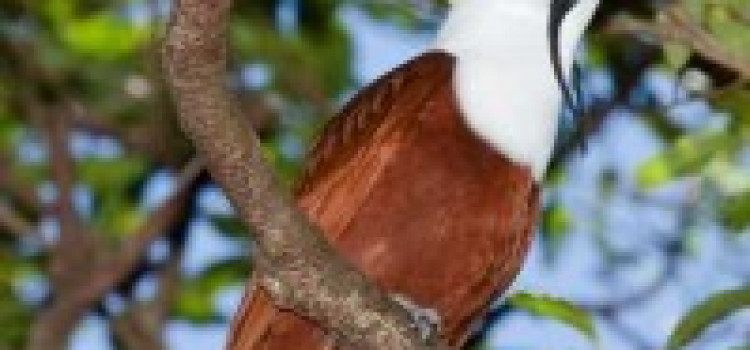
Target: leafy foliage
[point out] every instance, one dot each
(196, 299)
(708, 312)
(14, 315)
(557, 309)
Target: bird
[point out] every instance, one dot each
(428, 179)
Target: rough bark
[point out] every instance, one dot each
(296, 265)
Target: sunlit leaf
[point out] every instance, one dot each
(117, 217)
(115, 213)
(103, 36)
(654, 172)
(402, 13)
(556, 309)
(195, 304)
(691, 154)
(734, 34)
(110, 174)
(58, 11)
(196, 299)
(554, 227)
(708, 312)
(676, 55)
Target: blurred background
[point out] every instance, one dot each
(113, 237)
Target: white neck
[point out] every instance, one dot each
(504, 78)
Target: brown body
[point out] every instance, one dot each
(404, 189)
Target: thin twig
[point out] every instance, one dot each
(142, 325)
(55, 323)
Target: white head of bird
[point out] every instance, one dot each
(506, 83)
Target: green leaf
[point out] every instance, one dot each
(117, 217)
(676, 55)
(654, 172)
(734, 34)
(735, 101)
(402, 13)
(196, 299)
(15, 316)
(555, 225)
(557, 309)
(114, 212)
(734, 212)
(691, 154)
(11, 130)
(111, 175)
(194, 305)
(556, 220)
(230, 225)
(104, 36)
(700, 317)
(695, 8)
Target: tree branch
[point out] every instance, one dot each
(142, 325)
(675, 25)
(296, 265)
(13, 222)
(55, 323)
(73, 251)
(21, 193)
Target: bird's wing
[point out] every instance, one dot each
(352, 150)
(359, 142)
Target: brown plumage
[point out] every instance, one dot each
(404, 189)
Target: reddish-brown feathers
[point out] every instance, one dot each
(405, 190)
